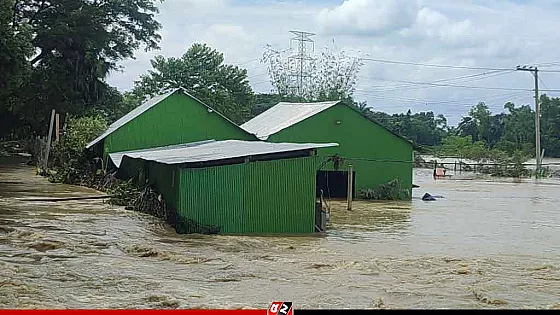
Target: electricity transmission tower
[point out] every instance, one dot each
(299, 62)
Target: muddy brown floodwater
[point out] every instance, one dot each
(487, 244)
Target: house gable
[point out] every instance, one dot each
(179, 118)
(357, 135)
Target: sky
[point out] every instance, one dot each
(495, 34)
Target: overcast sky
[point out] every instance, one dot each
(475, 33)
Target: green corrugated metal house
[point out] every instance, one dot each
(377, 155)
(172, 118)
(232, 187)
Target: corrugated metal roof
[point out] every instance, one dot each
(118, 156)
(206, 151)
(282, 116)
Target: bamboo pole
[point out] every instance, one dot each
(57, 127)
(350, 186)
(47, 150)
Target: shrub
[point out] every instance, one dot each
(70, 162)
(389, 191)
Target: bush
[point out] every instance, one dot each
(70, 162)
(389, 191)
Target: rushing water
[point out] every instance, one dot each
(486, 244)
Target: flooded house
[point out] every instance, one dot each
(232, 186)
(377, 155)
(172, 118)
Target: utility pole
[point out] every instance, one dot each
(299, 60)
(535, 72)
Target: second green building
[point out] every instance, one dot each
(377, 155)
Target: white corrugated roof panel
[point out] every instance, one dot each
(206, 151)
(282, 116)
(118, 156)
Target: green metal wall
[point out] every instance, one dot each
(175, 120)
(257, 197)
(377, 155)
(165, 180)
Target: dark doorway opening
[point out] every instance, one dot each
(334, 184)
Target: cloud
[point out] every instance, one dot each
(434, 24)
(489, 33)
(368, 17)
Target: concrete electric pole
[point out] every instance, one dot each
(538, 153)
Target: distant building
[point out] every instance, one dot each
(377, 155)
(172, 118)
(232, 187)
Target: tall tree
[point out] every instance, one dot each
(202, 72)
(519, 129)
(482, 117)
(15, 48)
(550, 125)
(78, 42)
(467, 127)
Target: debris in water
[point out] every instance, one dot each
(379, 304)
(6, 230)
(318, 266)
(45, 246)
(428, 197)
(227, 267)
(225, 280)
(463, 271)
(485, 299)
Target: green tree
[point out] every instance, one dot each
(519, 129)
(78, 42)
(15, 48)
(481, 116)
(202, 72)
(467, 127)
(423, 128)
(550, 126)
(114, 105)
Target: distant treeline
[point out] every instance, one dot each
(512, 131)
(55, 55)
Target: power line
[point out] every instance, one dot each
(256, 75)
(457, 102)
(247, 61)
(473, 77)
(463, 86)
(433, 65)
(442, 66)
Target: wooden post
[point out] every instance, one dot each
(57, 127)
(350, 184)
(46, 161)
(455, 167)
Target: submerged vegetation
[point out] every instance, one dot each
(391, 190)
